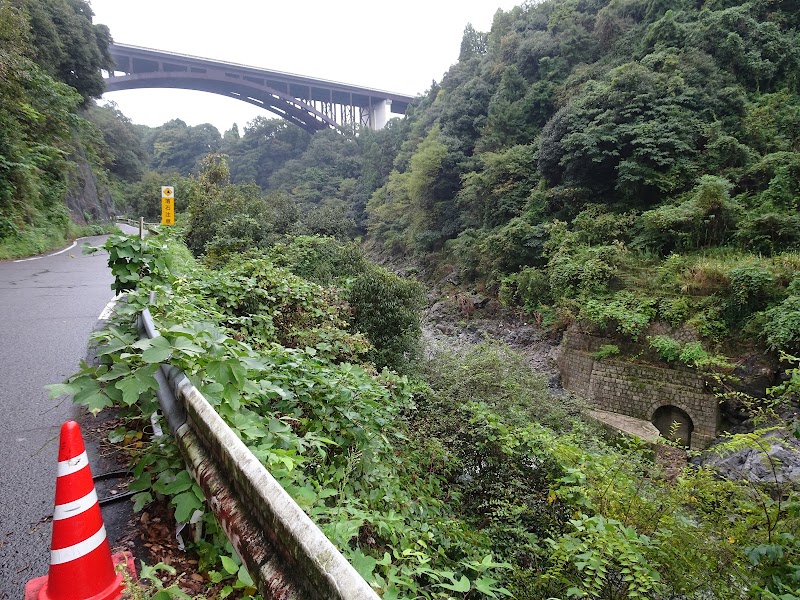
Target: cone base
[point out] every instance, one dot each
(36, 589)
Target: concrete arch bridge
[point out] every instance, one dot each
(310, 103)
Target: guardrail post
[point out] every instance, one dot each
(141, 228)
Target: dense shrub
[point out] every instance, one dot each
(782, 325)
(387, 309)
(323, 260)
(706, 218)
(627, 312)
(529, 288)
(582, 270)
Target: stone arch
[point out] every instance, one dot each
(665, 416)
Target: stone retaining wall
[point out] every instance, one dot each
(634, 389)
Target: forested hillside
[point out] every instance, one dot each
(55, 144)
(630, 168)
(615, 164)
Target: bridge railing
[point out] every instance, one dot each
(286, 554)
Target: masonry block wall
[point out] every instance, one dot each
(634, 389)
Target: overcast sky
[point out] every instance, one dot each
(396, 46)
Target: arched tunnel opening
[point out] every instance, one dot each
(674, 424)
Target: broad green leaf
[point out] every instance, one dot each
(219, 371)
(118, 370)
(364, 564)
(56, 390)
(244, 576)
(462, 585)
(186, 346)
(158, 351)
(185, 504)
(95, 402)
(131, 388)
(141, 500)
(181, 483)
(229, 565)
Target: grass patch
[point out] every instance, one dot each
(39, 240)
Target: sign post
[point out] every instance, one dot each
(167, 205)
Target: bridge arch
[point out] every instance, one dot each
(312, 104)
(274, 101)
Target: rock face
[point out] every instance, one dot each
(86, 201)
(776, 459)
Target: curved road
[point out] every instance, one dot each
(48, 307)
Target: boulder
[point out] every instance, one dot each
(775, 459)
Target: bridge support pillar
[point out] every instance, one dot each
(379, 114)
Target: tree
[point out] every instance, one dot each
(473, 43)
(267, 145)
(67, 45)
(36, 120)
(122, 154)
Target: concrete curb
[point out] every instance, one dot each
(287, 555)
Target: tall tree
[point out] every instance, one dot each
(68, 45)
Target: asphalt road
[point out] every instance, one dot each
(48, 308)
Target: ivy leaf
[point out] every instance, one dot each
(364, 564)
(94, 402)
(185, 504)
(244, 576)
(186, 346)
(118, 370)
(462, 585)
(141, 500)
(156, 350)
(219, 371)
(181, 483)
(133, 387)
(62, 389)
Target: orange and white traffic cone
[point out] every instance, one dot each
(81, 565)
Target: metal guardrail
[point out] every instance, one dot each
(140, 223)
(286, 554)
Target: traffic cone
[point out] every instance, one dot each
(81, 565)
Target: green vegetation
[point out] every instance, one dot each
(625, 167)
(50, 60)
(620, 166)
(476, 483)
(617, 163)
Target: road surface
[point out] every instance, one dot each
(48, 308)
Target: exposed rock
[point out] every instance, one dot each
(446, 327)
(478, 301)
(777, 461)
(85, 201)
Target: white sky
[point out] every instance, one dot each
(399, 46)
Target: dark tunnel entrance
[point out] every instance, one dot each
(674, 424)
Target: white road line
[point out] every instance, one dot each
(75, 243)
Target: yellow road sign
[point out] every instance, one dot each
(167, 191)
(167, 210)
